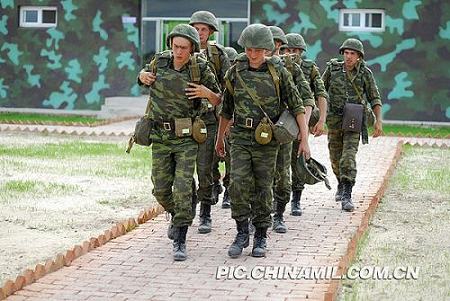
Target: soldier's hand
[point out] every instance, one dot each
(303, 149)
(196, 91)
(378, 129)
(318, 129)
(148, 78)
(220, 148)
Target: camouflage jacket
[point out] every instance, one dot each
(300, 80)
(168, 95)
(238, 103)
(340, 89)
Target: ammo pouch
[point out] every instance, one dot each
(263, 132)
(286, 129)
(199, 130)
(352, 120)
(183, 127)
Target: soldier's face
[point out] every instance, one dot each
(255, 56)
(181, 49)
(298, 51)
(351, 57)
(204, 31)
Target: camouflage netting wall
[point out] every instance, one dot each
(88, 56)
(410, 60)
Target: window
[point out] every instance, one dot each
(361, 20)
(38, 16)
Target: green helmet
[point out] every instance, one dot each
(353, 44)
(185, 31)
(278, 34)
(295, 40)
(231, 53)
(311, 171)
(204, 17)
(256, 36)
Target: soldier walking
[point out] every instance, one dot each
(175, 101)
(349, 81)
(252, 96)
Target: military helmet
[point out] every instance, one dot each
(231, 53)
(204, 17)
(278, 34)
(185, 31)
(353, 44)
(256, 36)
(311, 171)
(295, 40)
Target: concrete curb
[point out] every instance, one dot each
(65, 259)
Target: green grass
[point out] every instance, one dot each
(415, 131)
(7, 117)
(33, 187)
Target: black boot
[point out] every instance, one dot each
(347, 203)
(339, 191)
(205, 219)
(179, 244)
(278, 222)
(171, 231)
(296, 210)
(194, 198)
(241, 240)
(226, 202)
(259, 242)
(216, 191)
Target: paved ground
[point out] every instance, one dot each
(139, 265)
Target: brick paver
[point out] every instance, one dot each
(139, 265)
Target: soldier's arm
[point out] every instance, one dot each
(374, 98)
(225, 63)
(326, 78)
(304, 90)
(226, 114)
(145, 76)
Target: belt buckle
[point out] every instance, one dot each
(167, 126)
(249, 122)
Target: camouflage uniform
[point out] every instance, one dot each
(312, 74)
(173, 158)
(282, 183)
(343, 145)
(219, 63)
(252, 164)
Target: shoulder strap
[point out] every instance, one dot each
(194, 69)
(275, 77)
(229, 86)
(214, 52)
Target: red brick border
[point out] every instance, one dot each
(31, 275)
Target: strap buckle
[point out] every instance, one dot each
(249, 122)
(167, 126)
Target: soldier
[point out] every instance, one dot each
(296, 45)
(349, 81)
(208, 192)
(175, 101)
(226, 201)
(282, 184)
(252, 96)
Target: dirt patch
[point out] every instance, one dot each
(49, 204)
(410, 229)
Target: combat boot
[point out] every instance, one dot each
(241, 240)
(347, 204)
(171, 231)
(216, 191)
(278, 222)
(296, 210)
(226, 202)
(179, 244)
(194, 198)
(339, 191)
(205, 219)
(259, 242)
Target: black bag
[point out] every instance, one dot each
(142, 131)
(352, 120)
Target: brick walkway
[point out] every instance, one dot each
(139, 265)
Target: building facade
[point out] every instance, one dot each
(72, 54)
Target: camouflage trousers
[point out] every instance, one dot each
(252, 169)
(297, 183)
(215, 166)
(343, 147)
(205, 156)
(282, 186)
(172, 170)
